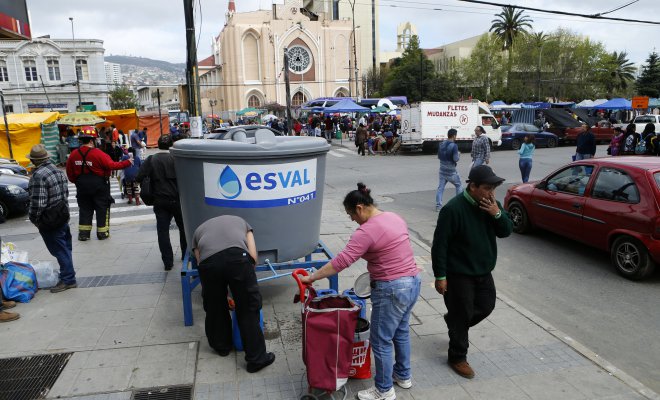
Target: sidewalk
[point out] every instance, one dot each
(126, 333)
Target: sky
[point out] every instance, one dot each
(156, 28)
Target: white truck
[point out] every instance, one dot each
(640, 122)
(424, 125)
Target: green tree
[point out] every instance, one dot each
(618, 72)
(483, 74)
(412, 75)
(508, 24)
(648, 82)
(374, 81)
(122, 98)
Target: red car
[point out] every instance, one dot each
(603, 132)
(610, 203)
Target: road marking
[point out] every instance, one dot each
(332, 153)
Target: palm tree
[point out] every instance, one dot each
(623, 71)
(509, 24)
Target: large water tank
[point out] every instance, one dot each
(273, 182)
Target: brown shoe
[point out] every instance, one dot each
(6, 316)
(61, 286)
(463, 369)
(8, 304)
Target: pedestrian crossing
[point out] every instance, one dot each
(341, 152)
(120, 212)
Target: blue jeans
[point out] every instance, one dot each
(477, 161)
(525, 165)
(454, 180)
(58, 243)
(392, 303)
(580, 156)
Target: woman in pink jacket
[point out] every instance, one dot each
(382, 240)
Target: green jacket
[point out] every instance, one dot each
(464, 238)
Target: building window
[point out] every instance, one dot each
(4, 76)
(253, 101)
(82, 72)
(300, 60)
(53, 70)
(9, 108)
(30, 70)
(298, 99)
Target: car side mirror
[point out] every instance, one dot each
(542, 185)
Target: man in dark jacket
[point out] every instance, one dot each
(448, 156)
(586, 144)
(160, 169)
(464, 254)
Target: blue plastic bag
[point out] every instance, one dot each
(18, 281)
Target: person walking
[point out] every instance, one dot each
(616, 144)
(49, 212)
(586, 144)
(226, 256)
(160, 169)
(382, 240)
(361, 139)
(449, 156)
(464, 253)
(526, 152)
(480, 147)
(89, 169)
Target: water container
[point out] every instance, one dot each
(236, 332)
(273, 182)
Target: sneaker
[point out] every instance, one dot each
(437, 208)
(254, 367)
(8, 304)
(6, 316)
(61, 286)
(168, 268)
(103, 235)
(403, 383)
(375, 394)
(463, 369)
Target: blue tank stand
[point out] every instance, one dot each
(190, 275)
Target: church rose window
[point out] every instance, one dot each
(300, 59)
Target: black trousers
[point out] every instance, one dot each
(93, 195)
(469, 300)
(165, 211)
(361, 148)
(232, 267)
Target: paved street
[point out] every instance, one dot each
(130, 336)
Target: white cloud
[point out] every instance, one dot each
(156, 29)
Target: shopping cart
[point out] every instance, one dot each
(328, 327)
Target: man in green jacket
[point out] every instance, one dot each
(464, 253)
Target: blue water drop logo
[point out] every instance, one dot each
(229, 184)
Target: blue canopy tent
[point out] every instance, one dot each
(654, 102)
(346, 106)
(614, 104)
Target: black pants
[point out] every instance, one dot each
(232, 267)
(93, 195)
(165, 211)
(360, 147)
(469, 299)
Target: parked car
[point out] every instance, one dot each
(228, 133)
(603, 132)
(609, 203)
(14, 197)
(513, 135)
(12, 167)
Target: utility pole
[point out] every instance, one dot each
(192, 80)
(4, 115)
(287, 86)
(160, 112)
(46, 93)
(75, 66)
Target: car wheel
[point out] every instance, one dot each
(4, 211)
(515, 144)
(631, 259)
(519, 217)
(552, 142)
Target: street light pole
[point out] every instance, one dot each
(75, 66)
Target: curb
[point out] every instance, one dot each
(575, 345)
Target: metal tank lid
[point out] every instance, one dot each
(264, 144)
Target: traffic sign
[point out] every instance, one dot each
(640, 102)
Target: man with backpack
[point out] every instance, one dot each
(165, 191)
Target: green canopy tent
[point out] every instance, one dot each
(250, 112)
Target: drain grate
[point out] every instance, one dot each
(182, 392)
(125, 279)
(30, 377)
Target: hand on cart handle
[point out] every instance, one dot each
(302, 278)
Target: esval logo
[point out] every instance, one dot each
(259, 186)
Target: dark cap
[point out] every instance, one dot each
(484, 174)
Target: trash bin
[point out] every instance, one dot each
(361, 361)
(273, 182)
